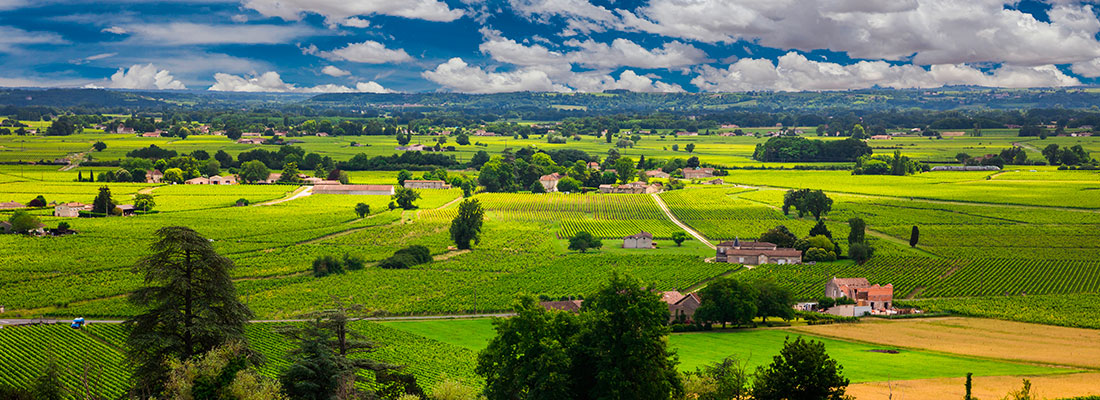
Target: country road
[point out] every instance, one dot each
(692, 232)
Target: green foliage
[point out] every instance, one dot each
(171, 175)
(530, 356)
(362, 209)
(38, 201)
(290, 173)
(856, 230)
(144, 202)
(727, 301)
(23, 222)
(860, 252)
(192, 305)
(582, 241)
(679, 238)
(405, 197)
(326, 265)
(407, 257)
(48, 385)
(569, 185)
(895, 164)
(103, 203)
(820, 229)
(806, 201)
(226, 372)
(624, 167)
(403, 176)
(779, 236)
(802, 370)
(914, 237)
(466, 226)
(254, 171)
(773, 300)
(796, 148)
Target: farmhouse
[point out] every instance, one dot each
(681, 307)
(550, 182)
(197, 181)
(594, 165)
(223, 180)
(70, 210)
(123, 129)
(657, 174)
(631, 188)
(11, 205)
(378, 190)
(756, 253)
(421, 184)
(698, 173)
(272, 177)
(881, 137)
(641, 240)
(715, 181)
(150, 134)
(966, 168)
(250, 141)
(876, 297)
(154, 176)
(573, 306)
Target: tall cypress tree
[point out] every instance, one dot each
(191, 306)
(914, 237)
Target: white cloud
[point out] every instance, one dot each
(459, 76)
(355, 22)
(100, 56)
(337, 10)
(142, 77)
(371, 87)
(369, 52)
(271, 82)
(623, 52)
(1088, 69)
(580, 15)
(10, 38)
(629, 80)
(333, 71)
(926, 31)
(794, 72)
(456, 75)
(184, 33)
(239, 18)
(118, 30)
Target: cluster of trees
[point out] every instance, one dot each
(519, 171)
(617, 347)
(407, 257)
(583, 241)
(1075, 155)
(806, 201)
(796, 148)
(329, 264)
(817, 246)
(414, 160)
(880, 164)
(728, 300)
(466, 226)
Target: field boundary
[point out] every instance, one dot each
(692, 232)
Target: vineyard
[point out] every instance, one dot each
(24, 351)
(1073, 310)
(718, 216)
(603, 216)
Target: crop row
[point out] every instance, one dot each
(1073, 310)
(24, 351)
(554, 206)
(617, 229)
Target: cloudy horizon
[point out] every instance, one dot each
(492, 46)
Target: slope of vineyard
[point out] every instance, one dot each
(718, 216)
(605, 216)
(1073, 310)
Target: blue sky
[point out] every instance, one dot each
(546, 45)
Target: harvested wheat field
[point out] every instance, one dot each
(977, 337)
(989, 387)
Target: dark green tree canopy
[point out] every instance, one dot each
(466, 226)
(191, 305)
(802, 370)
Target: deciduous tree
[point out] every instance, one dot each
(466, 227)
(802, 370)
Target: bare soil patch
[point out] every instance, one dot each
(987, 387)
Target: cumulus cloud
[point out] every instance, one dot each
(355, 22)
(794, 72)
(118, 30)
(186, 33)
(337, 10)
(456, 75)
(592, 54)
(141, 77)
(273, 83)
(369, 52)
(928, 32)
(459, 76)
(333, 71)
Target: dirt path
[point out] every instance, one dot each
(301, 192)
(449, 203)
(692, 232)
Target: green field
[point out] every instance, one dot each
(756, 347)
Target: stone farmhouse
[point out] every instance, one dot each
(422, 184)
(698, 173)
(878, 298)
(11, 205)
(715, 181)
(631, 188)
(154, 176)
(641, 240)
(756, 253)
(657, 174)
(550, 182)
(70, 210)
(197, 181)
(250, 141)
(413, 147)
(223, 180)
(370, 190)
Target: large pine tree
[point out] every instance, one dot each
(191, 306)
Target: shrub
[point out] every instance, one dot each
(407, 257)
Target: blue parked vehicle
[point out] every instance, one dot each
(77, 323)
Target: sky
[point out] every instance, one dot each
(492, 46)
